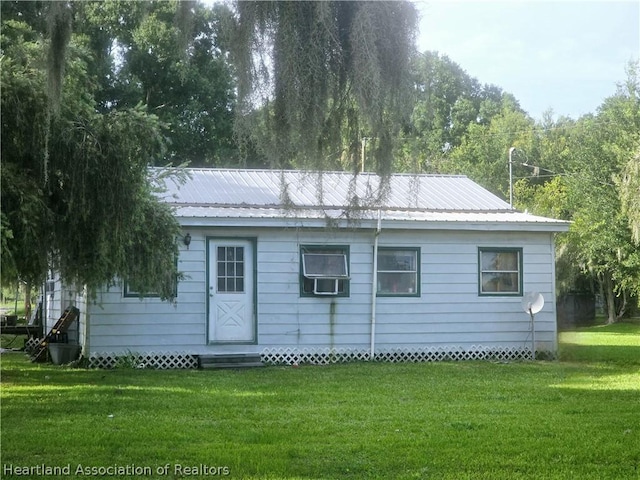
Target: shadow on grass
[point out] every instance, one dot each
(616, 354)
(628, 326)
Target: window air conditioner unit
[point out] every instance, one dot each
(325, 286)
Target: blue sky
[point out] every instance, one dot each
(566, 55)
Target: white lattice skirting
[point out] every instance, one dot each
(315, 356)
(294, 356)
(153, 360)
(31, 344)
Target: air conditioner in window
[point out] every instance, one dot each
(325, 286)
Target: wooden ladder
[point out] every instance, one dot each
(60, 327)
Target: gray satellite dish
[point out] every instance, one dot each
(532, 303)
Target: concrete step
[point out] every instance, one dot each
(209, 366)
(230, 360)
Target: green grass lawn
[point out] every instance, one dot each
(577, 418)
(12, 341)
(10, 308)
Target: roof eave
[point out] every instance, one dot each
(370, 224)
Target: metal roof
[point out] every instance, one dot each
(271, 188)
(289, 195)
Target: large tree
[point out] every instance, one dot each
(595, 159)
(314, 78)
(483, 154)
(176, 65)
(76, 193)
(629, 186)
(447, 103)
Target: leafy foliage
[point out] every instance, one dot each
(168, 56)
(446, 103)
(484, 152)
(75, 189)
(598, 191)
(629, 186)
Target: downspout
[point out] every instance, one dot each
(374, 287)
(86, 341)
(43, 311)
(552, 240)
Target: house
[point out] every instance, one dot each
(306, 267)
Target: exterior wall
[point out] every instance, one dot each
(53, 302)
(448, 313)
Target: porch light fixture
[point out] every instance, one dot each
(187, 240)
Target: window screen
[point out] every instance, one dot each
(324, 270)
(324, 265)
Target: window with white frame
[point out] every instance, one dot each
(500, 271)
(324, 270)
(398, 271)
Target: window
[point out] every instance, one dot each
(130, 291)
(500, 271)
(324, 270)
(169, 286)
(230, 265)
(398, 271)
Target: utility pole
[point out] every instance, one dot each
(364, 149)
(511, 150)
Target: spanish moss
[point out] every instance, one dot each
(60, 16)
(319, 76)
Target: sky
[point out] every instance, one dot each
(567, 55)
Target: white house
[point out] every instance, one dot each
(306, 267)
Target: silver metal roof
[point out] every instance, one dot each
(296, 195)
(271, 188)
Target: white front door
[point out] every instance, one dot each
(231, 310)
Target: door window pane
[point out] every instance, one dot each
(230, 269)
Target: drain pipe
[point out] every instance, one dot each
(374, 287)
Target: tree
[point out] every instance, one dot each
(602, 227)
(447, 102)
(316, 77)
(629, 179)
(629, 188)
(596, 157)
(484, 152)
(147, 53)
(76, 194)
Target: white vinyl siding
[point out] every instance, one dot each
(448, 312)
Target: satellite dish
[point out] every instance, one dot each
(532, 302)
